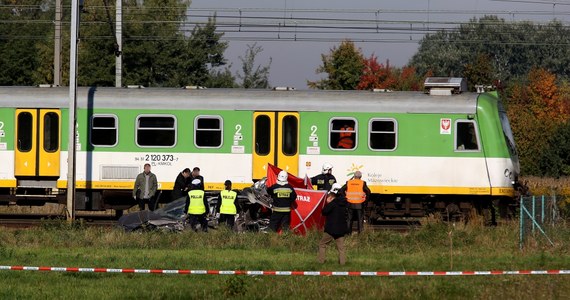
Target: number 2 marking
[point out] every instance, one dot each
(314, 130)
(238, 129)
(1, 125)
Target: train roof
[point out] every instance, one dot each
(239, 99)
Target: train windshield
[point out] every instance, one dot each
(507, 131)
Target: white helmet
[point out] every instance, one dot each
(335, 188)
(327, 167)
(282, 177)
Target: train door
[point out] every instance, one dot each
(37, 142)
(276, 141)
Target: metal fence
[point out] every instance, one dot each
(538, 215)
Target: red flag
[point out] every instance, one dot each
(294, 181)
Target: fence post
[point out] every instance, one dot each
(542, 213)
(521, 226)
(533, 212)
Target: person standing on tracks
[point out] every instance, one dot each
(181, 185)
(145, 189)
(196, 175)
(227, 205)
(283, 197)
(335, 224)
(356, 194)
(325, 180)
(197, 207)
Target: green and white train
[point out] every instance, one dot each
(417, 151)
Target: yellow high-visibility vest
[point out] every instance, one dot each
(196, 206)
(228, 207)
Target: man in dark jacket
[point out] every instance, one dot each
(335, 224)
(181, 186)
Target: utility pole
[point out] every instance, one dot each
(119, 46)
(57, 47)
(71, 147)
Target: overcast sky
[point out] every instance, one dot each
(294, 33)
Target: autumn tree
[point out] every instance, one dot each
(536, 109)
(343, 67)
(376, 75)
(383, 76)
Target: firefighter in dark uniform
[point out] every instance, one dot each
(283, 197)
(227, 205)
(356, 194)
(325, 180)
(197, 206)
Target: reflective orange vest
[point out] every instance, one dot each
(345, 140)
(355, 191)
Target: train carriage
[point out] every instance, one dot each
(418, 152)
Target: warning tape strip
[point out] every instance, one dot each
(287, 273)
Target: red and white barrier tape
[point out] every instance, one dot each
(287, 273)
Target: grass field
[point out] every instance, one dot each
(434, 247)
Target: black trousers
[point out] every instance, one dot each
(228, 220)
(194, 220)
(358, 215)
(151, 203)
(279, 220)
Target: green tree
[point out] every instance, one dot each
(153, 46)
(221, 78)
(555, 160)
(251, 76)
(512, 49)
(23, 26)
(479, 72)
(203, 52)
(343, 67)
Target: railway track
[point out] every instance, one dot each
(34, 220)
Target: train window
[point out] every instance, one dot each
(289, 131)
(466, 136)
(51, 132)
(342, 133)
(156, 131)
(25, 127)
(383, 133)
(208, 131)
(104, 130)
(262, 135)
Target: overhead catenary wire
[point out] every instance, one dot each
(237, 25)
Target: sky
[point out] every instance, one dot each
(294, 33)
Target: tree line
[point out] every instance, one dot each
(156, 51)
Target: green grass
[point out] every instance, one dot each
(434, 247)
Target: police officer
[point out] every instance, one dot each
(283, 197)
(325, 180)
(356, 193)
(227, 205)
(197, 206)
